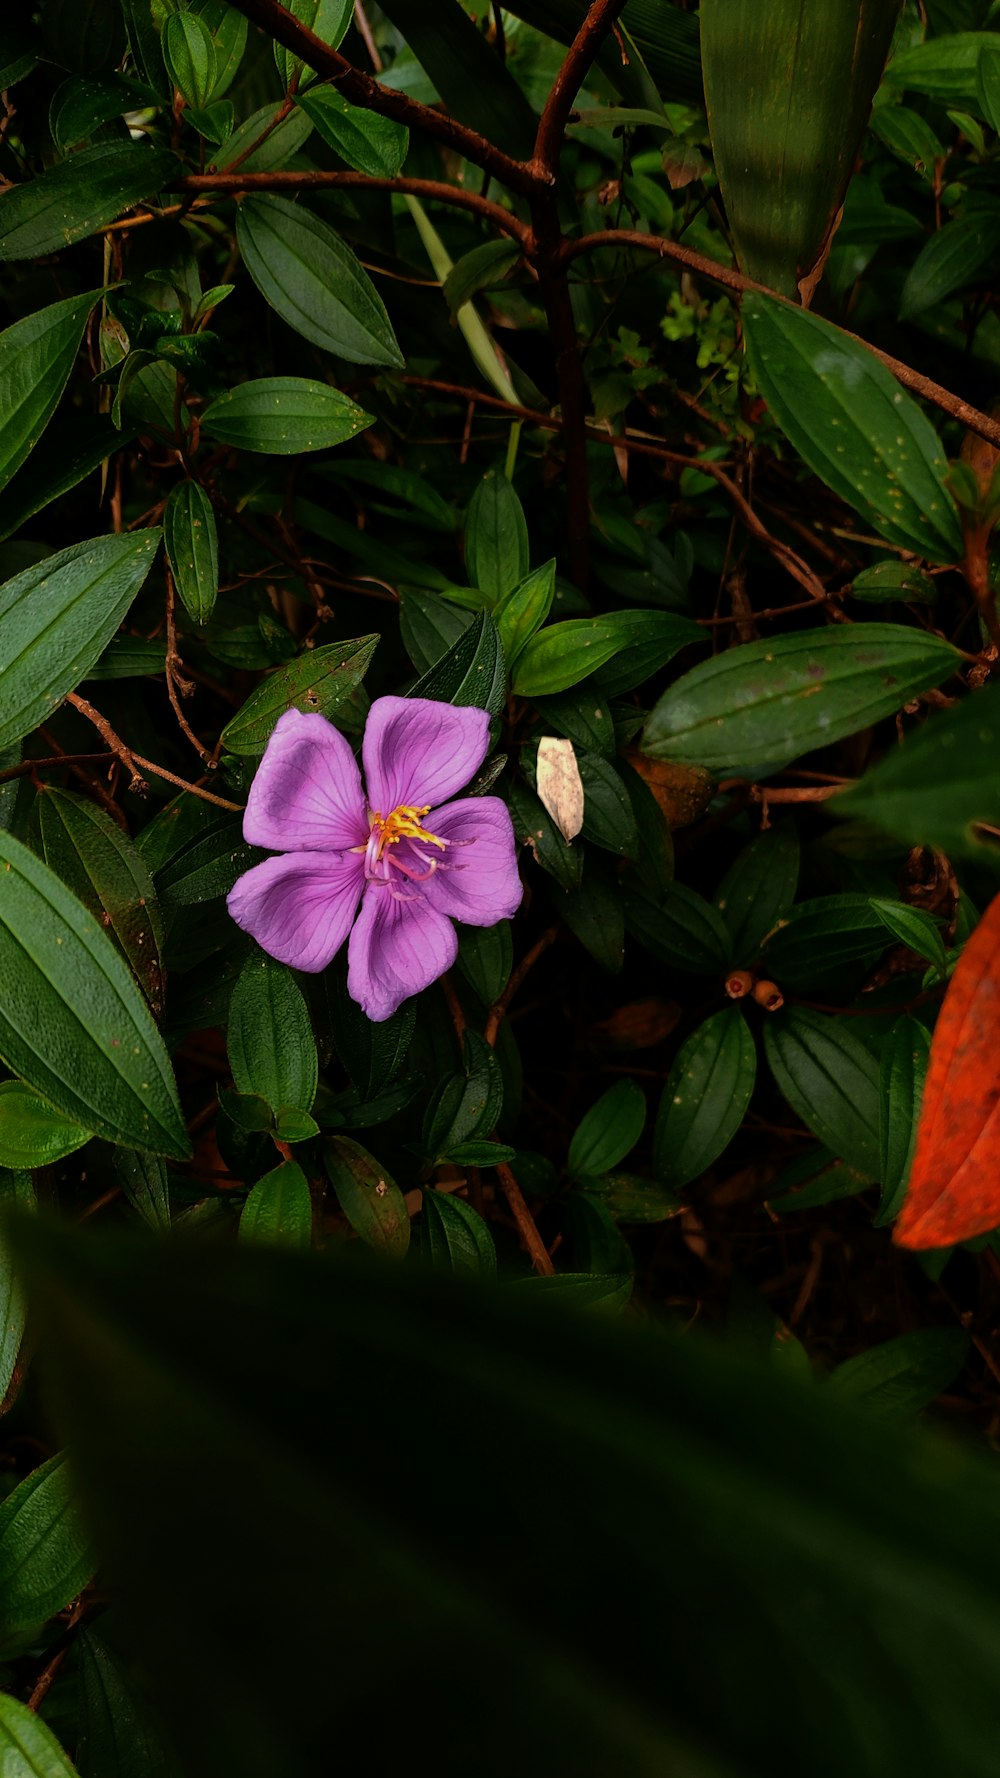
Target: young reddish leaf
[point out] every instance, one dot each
(954, 1185)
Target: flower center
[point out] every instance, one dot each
(416, 863)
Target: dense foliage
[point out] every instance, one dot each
(517, 1378)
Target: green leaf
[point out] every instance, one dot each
(851, 422)
(454, 1238)
(534, 825)
(823, 936)
(632, 1199)
(32, 1134)
(483, 268)
(957, 255)
(476, 84)
(145, 1183)
(831, 1080)
(17, 1192)
(908, 136)
(584, 718)
(705, 1098)
(73, 1023)
(756, 708)
(608, 819)
(84, 443)
(115, 1740)
(189, 56)
(485, 958)
(595, 915)
(328, 19)
(368, 1195)
(28, 1748)
(647, 640)
(279, 1209)
(429, 625)
(192, 545)
(563, 654)
(471, 673)
(144, 41)
(465, 1105)
(279, 142)
(321, 679)
(313, 281)
(36, 357)
(914, 928)
(759, 888)
(56, 618)
(945, 67)
(940, 788)
(228, 31)
(901, 1376)
(893, 580)
(272, 1050)
(45, 1554)
(609, 1130)
(524, 609)
(369, 143)
(208, 866)
(79, 196)
(681, 928)
(284, 416)
(372, 1054)
(107, 873)
(496, 538)
(902, 1072)
(816, 1177)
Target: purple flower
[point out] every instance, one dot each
(414, 860)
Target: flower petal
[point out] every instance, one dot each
(418, 752)
(307, 794)
(299, 908)
(397, 948)
(477, 878)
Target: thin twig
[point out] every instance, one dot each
(177, 686)
(131, 759)
(525, 1221)
(435, 190)
(48, 1673)
(528, 961)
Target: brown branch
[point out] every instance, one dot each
(629, 441)
(27, 766)
(361, 89)
(177, 685)
(525, 1221)
(132, 760)
(941, 398)
(555, 114)
(530, 958)
(435, 190)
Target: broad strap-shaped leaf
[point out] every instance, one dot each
(956, 256)
(898, 1378)
(954, 1190)
(313, 281)
(369, 1196)
(454, 1238)
(73, 1022)
(191, 541)
(321, 679)
(284, 416)
(472, 671)
(36, 357)
(56, 618)
(609, 1130)
(279, 1209)
(756, 708)
(79, 196)
(851, 422)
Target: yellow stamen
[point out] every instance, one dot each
(404, 824)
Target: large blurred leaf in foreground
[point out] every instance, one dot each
(354, 1491)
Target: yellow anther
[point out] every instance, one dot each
(404, 824)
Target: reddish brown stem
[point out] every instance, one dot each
(435, 190)
(525, 1222)
(555, 114)
(528, 961)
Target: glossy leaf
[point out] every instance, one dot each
(45, 1554)
(228, 31)
(960, 254)
(85, 442)
(898, 1378)
(28, 1748)
(647, 640)
(524, 609)
(830, 1080)
(189, 54)
(758, 707)
(208, 865)
(272, 1051)
(465, 1105)
(471, 673)
(496, 538)
(32, 1133)
(321, 679)
(848, 418)
(893, 580)
(191, 541)
(535, 827)
(485, 958)
(595, 914)
(17, 1193)
(56, 618)
(914, 928)
(954, 1191)
(36, 357)
(563, 654)
(329, 20)
(313, 281)
(705, 1098)
(368, 1195)
(944, 68)
(278, 1210)
(73, 1023)
(78, 196)
(267, 140)
(371, 1054)
(609, 1130)
(284, 416)
(108, 874)
(759, 888)
(902, 1073)
(940, 788)
(371, 144)
(454, 1238)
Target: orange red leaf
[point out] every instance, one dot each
(954, 1190)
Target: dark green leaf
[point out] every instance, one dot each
(455, 1238)
(583, 717)
(32, 1133)
(483, 268)
(758, 707)
(371, 1054)
(73, 1023)
(328, 19)
(115, 1739)
(608, 819)
(902, 1072)
(56, 618)
(534, 825)
(189, 55)
(959, 254)
(279, 142)
(914, 928)
(371, 144)
(144, 1180)
(473, 81)
(759, 888)
(496, 538)
(467, 1104)
(647, 640)
(208, 866)
(284, 416)
(144, 41)
(817, 1177)
(609, 1130)
(909, 136)
(595, 914)
(192, 545)
(272, 1051)
(822, 936)
(848, 418)
(599, 1247)
(36, 357)
(313, 281)
(945, 67)
(471, 673)
(941, 787)
(893, 580)
(831, 1080)
(429, 626)
(705, 1098)
(485, 958)
(45, 1554)
(321, 679)
(898, 1378)
(681, 928)
(28, 1748)
(17, 1192)
(79, 196)
(368, 1195)
(632, 1199)
(84, 443)
(279, 1209)
(228, 30)
(524, 609)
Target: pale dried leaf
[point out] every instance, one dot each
(559, 785)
